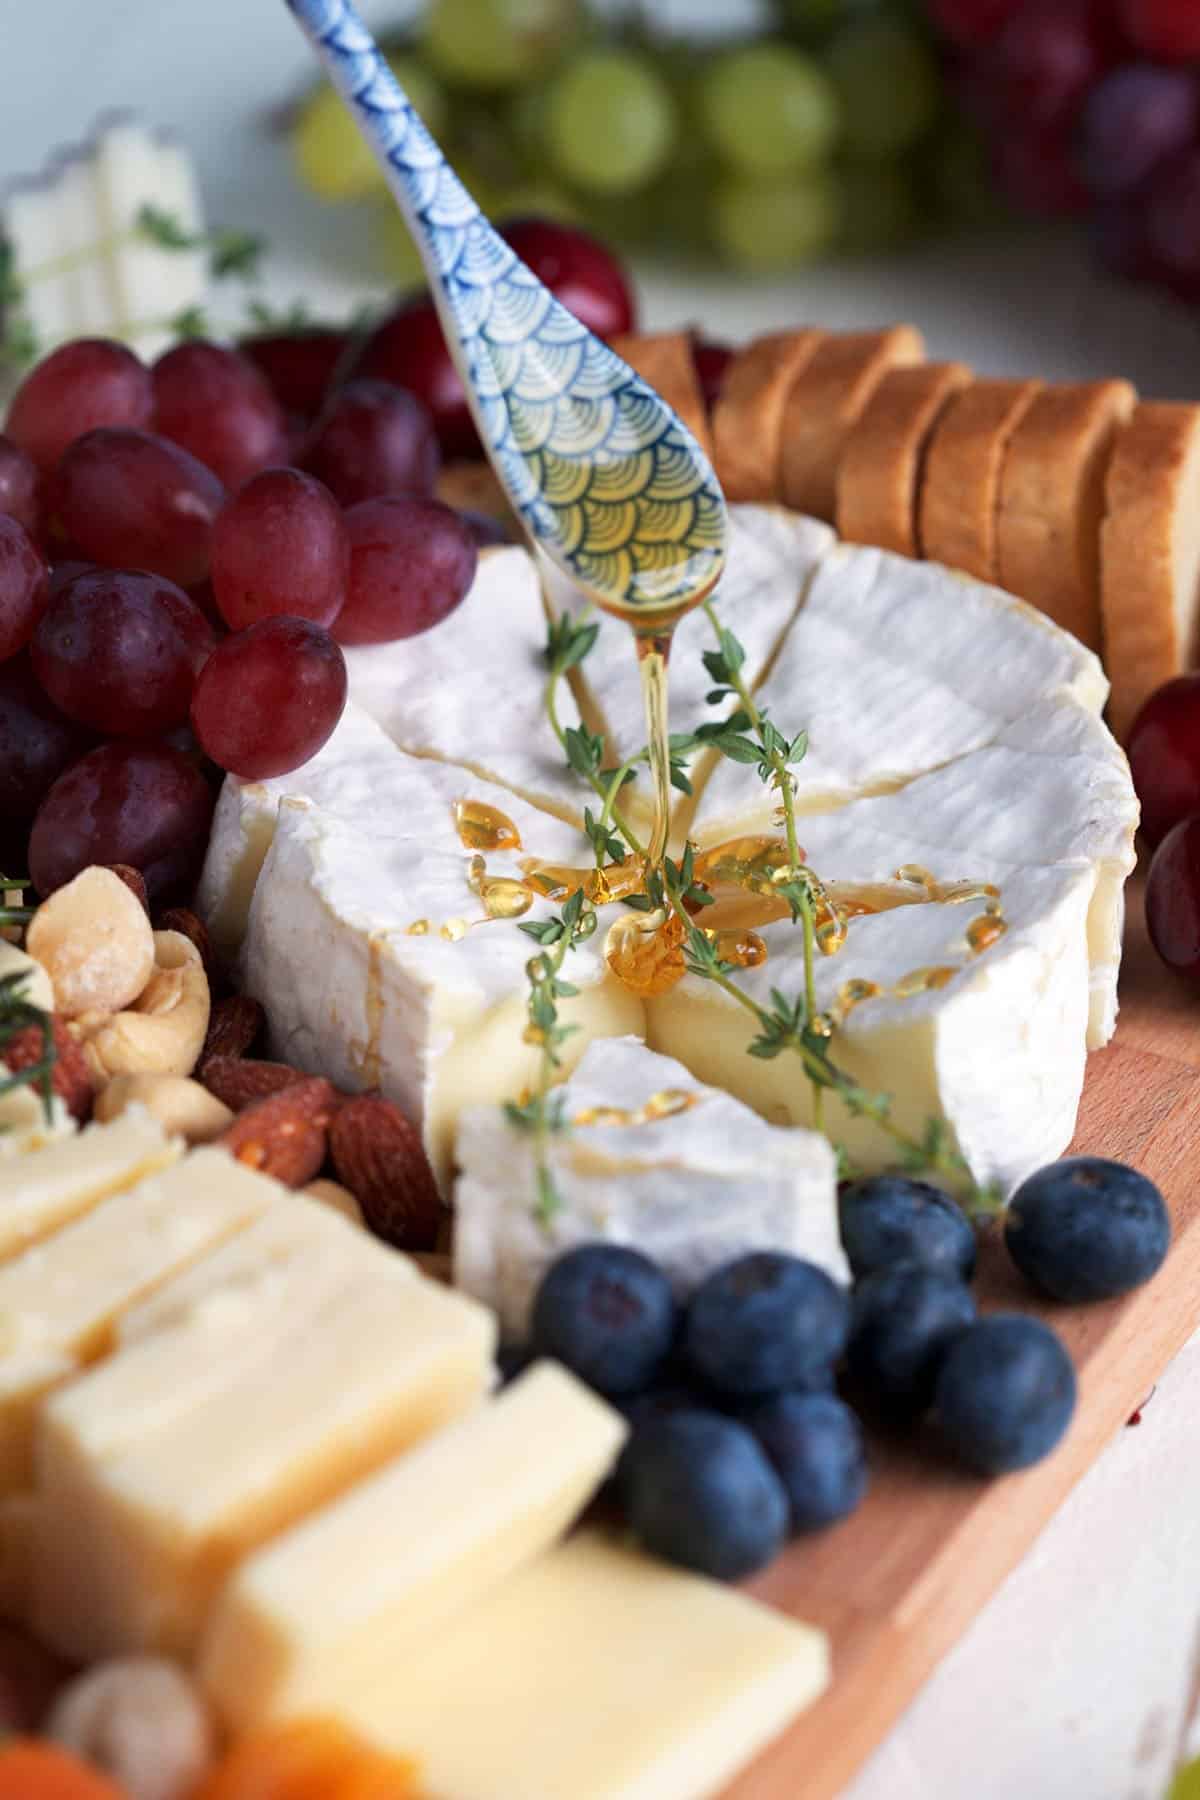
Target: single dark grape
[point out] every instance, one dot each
(815, 1445)
(280, 546)
(299, 365)
(1132, 121)
(131, 500)
(269, 697)
(903, 1320)
(1172, 204)
(699, 1491)
(408, 350)
(765, 1323)
(608, 1313)
(1042, 63)
(1173, 898)
(889, 1219)
(712, 362)
(486, 530)
(1167, 30)
(85, 384)
(119, 650)
(36, 742)
(19, 492)
(141, 804)
(1005, 1393)
(580, 271)
(969, 24)
(1087, 1228)
(220, 407)
(411, 563)
(374, 439)
(1037, 171)
(23, 577)
(1164, 756)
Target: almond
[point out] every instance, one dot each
(379, 1156)
(286, 1135)
(191, 926)
(134, 880)
(72, 1079)
(235, 1023)
(240, 1083)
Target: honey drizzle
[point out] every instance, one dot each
(484, 827)
(668, 1103)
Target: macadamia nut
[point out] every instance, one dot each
(182, 1107)
(141, 1721)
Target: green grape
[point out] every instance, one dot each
(812, 19)
(879, 206)
(888, 81)
(498, 43)
(762, 225)
(610, 122)
(768, 110)
(1186, 1785)
(961, 178)
(332, 156)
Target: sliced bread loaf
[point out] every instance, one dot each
(960, 485)
(825, 403)
(879, 475)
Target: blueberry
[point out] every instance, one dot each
(765, 1323)
(608, 1313)
(887, 1219)
(699, 1491)
(902, 1321)
(1005, 1393)
(1087, 1229)
(815, 1444)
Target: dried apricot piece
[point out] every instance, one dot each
(32, 1769)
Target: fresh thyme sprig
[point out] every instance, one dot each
(542, 1113)
(17, 915)
(17, 1014)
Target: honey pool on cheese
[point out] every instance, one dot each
(951, 729)
(241, 1396)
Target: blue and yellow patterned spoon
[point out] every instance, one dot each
(607, 480)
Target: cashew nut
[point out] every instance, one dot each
(141, 1721)
(183, 1108)
(36, 987)
(332, 1193)
(163, 1032)
(94, 939)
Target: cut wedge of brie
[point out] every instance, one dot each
(955, 748)
(652, 1158)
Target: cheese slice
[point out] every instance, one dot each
(267, 1379)
(597, 1674)
(25, 1124)
(654, 1159)
(57, 1183)
(61, 1299)
(361, 1591)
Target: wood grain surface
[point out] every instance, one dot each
(897, 1584)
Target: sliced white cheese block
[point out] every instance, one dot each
(25, 1124)
(599, 1675)
(42, 1191)
(654, 1159)
(60, 1300)
(265, 1380)
(348, 1598)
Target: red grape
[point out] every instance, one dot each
(119, 650)
(22, 586)
(1173, 223)
(970, 23)
(1164, 756)
(1134, 119)
(280, 546)
(1173, 898)
(1043, 62)
(1168, 30)
(219, 406)
(408, 350)
(411, 564)
(1117, 229)
(128, 499)
(485, 529)
(299, 365)
(19, 497)
(36, 742)
(141, 804)
(87, 383)
(1038, 174)
(374, 439)
(712, 362)
(269, 697)
(579, 270)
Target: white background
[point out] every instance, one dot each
(1071, 1685)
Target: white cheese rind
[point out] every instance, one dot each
(692, 1190)
(598, 1674)
(354, 1594)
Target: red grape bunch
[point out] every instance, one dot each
(1092, 107)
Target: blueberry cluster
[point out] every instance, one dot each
(738, 1436)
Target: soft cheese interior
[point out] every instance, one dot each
(950, 727)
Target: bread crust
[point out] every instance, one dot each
(1052, 500)
(748, 417)
(1150, 555)
(665, 360)
(956, 508)
(880, 472)
(825, 403)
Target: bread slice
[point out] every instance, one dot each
(665, 360)
(879, 475)
(748, 417)
(960, 487)
(824, 405)
(1150, 555)
(1052, 501)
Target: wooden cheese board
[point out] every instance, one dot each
(900, 1581)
